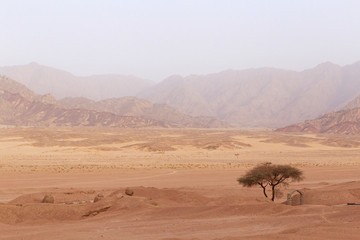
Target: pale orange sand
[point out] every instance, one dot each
(184, 183)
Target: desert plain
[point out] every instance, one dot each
(183, 180)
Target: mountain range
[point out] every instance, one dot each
(133, 106)
(61, 84)
(263, 98)
(22, 107)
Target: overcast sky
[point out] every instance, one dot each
(157, 38)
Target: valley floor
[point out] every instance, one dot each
(184, 184)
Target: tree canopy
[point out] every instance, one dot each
(271, 175)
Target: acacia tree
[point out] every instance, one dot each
(270, 175)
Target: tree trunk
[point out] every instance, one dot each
(264, 191)
(273, 193)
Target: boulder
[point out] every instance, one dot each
(129, 191)
(98, 197)
(48, 199)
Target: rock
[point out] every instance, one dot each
(129, 192)
(98, 197)
(117, 194)
(48, 199)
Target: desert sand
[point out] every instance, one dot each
(184, 184)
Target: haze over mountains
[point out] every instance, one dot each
(264, 97)
(61, 84)
(261, 97)
(343, 121)
(20, 106)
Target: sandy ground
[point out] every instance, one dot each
(184, 184)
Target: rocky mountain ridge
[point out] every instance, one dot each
(260, 98)
(345, 121)
(265, 97)
(19, 111)
(20, 106)
(132, 106)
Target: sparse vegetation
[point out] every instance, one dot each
(270, 175)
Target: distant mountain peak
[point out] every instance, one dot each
(327, 65)
(33, 64)
(260, 97)
(20, 106)
(43, 79)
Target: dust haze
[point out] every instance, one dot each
(135, 120)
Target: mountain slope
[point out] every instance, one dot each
(354, 103)
(22, 107)
(261, 97)
(61, 84)
(12, 86)
(340, 122)
(19, 111)
(132, 106)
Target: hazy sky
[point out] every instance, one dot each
(157, 38)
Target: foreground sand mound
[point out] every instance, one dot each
(170, 213)
(68, 205)
(68, 197)
(171, 197)
(152, 203)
